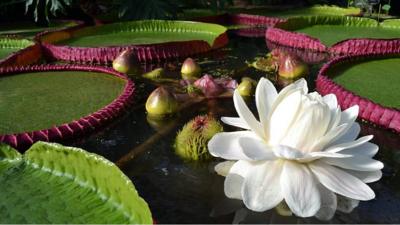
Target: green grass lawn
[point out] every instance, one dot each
(34, 101)
(378, 80)
(135, 38)
(331, 34)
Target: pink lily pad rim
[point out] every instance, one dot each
(349, 46)
(74, 129)
(370, 111)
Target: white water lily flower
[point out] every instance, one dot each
(303, 150)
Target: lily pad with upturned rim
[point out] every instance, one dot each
(57, 102)
(370, 81)
(52, 183)
(29, 29)
(151, 40)
(337, 34)
(8, 46)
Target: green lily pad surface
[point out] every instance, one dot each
(9, 46)
(377, 80)
(333, 29)
(51, 183)
(307, 11)
(36, 101)
(144, 32)
(29, 29)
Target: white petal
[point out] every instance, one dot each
(261, 190)
(360, 163)
(256, 149)
(300, 189)
(345, 204)
(246, 115)
(283, 116)
(366, 176)
(341, 182)
(331, 100)
(224, 167)
(347, 145)
(317, 155)
(287, 152)
(235, 178)
(226, 145)
(265, 97)
(331, 135)
(349, 115)
(349, 135)
(310, 125)
(236, 122)
(367, 149)
(328, 204)
(302, 84)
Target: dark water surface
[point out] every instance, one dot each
(181, 192)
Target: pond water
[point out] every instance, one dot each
(182, 192)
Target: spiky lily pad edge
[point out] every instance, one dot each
(74, 129)
(258, 23)
(279, 35)
(146, 52)
(370, 111)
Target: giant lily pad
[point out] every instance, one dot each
(337, 34)
(370, 81)
(29, 29)
(9, 46)
(58, 102)
(151, 39)
(306, 11)
(51, 183)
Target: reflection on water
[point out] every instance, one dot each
(180, 192)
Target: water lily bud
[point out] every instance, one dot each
(190, 69)
(161, 103)
(291, 67)
(267, 64)
(209, 86)
(127, 62)
(155, 74)
(247, 87)
(191, 142)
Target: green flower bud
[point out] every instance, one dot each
(190, 69)
(155, 74)
(191, 142)
(161, 103)
(127, 62)
(247, 87)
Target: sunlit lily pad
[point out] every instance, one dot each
(369, 81)
(29, 29)
(51, 183)
(57, 102)
(152, 39)
(337, 34)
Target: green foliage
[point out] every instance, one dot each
(51, 183)
(42, 9)
(147, 9)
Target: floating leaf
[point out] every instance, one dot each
(51, 183)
